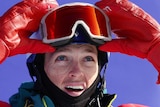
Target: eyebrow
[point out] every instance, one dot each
(88, 49)
(62, 49)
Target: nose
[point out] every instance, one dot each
(76, 70)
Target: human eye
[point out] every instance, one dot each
(61, 58)
(88, 58)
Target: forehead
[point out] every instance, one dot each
(84, 47)
(74, 48)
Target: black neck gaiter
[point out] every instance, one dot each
(62, 99)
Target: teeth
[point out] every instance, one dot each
(75, 88)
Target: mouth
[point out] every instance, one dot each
(74, 91)
(74, 88)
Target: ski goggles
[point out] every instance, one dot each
(59, 26)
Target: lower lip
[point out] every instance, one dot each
(74, 93)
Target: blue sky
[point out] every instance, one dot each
(132, 78)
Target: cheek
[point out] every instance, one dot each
(91, 76)
(53, 75)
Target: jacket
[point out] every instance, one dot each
(28, 97)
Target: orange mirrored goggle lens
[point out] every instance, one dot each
(61, 23)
